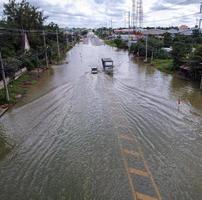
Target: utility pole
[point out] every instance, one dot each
(67, 40)
(201, 83)
(201, 8)
(4, 78)
(146, 54)
(46, 56)
(129, 19)
(200, 20)
(152, 57)
(58, 45)
(37, 59)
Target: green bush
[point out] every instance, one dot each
(120, 44)
(165, 65)
(162, 54)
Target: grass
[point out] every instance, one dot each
(18, 87)
(110, 43)
(165, 65)
(21, 85)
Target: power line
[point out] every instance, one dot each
(28, 31)
(168, 19)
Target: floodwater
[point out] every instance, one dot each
(68, 134)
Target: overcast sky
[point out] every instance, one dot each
(95, 13)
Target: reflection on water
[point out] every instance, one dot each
(66, 131)
(187, 91)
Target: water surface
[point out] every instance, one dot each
(65, 131)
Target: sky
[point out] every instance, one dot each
(97, 13)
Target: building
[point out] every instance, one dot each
(183, 28)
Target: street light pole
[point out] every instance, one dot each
(4, 78)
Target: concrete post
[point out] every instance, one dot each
(4, 78)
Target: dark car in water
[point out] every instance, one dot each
(94, 70)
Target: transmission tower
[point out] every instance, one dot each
(137, 13)
(140, 13)
(134, 19)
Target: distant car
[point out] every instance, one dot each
(94, 70)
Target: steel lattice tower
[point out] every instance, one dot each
(140, 13)
(200, 20)
(137, 13)
(134, 18)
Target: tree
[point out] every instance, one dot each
(180, 53)
(23, 15)
(168, 40)
(153, 47)
(84, 32)
(120, 43)
(196, 57)
(182, 48)
(196, 33)
(196, 62)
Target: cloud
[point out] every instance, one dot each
(182, 2)
(94, 13)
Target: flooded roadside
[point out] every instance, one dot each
(66, 131)
(5, 147)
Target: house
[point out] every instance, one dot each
(173, 32)
(183, 28)
(155, 32)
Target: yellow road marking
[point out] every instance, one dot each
(150, 174)
(132, 171)
(132, 153)
(126, 137)
(132, 187)
(141, 196)
(138, 172)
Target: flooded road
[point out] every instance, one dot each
(75, 136)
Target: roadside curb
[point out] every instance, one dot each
(3, 111)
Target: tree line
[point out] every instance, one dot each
(184, 49)
(20, 18)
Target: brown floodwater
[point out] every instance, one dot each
(63, 140)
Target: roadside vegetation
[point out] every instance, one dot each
(117, 43)
(23, 20)
(165, 65)
(18, 88)
(167, 52)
